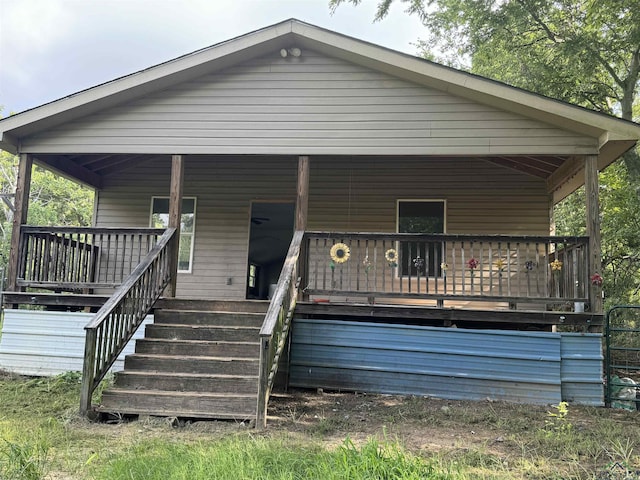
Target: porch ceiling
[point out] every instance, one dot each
(91, 169)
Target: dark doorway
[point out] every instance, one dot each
(270, 233)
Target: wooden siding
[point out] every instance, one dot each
(346, 194)
(309, 105)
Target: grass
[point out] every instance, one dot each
(343, 437)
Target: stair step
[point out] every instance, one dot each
(253, 306)
(192, 364)
(163, 346)
(201, 332)
(186, 382)
(182, 404)
(196, 317)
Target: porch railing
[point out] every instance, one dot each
(73, 258)
(442, 267)
(275, 328)
(119, 318)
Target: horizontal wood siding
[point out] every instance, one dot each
(308, 105)
(346, 194)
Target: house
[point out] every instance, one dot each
(296, 179)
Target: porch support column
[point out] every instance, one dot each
(302, 207)
(593, 229)
(302, 199)
(175, 215)
(23, 188)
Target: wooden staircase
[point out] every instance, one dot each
(197, 360)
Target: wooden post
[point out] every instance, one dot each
(23, 188)
(175, 215)
(593, 229)
(302, 199)
(302, 206)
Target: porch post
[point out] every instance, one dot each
(302, 199)
(302, 206)
(175, 215)
(593, 229)
(23, 188)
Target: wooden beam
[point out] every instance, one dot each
(418, 314)
(23, 189)
(175, 215)
(302, 199)
(564, 173)
(593, 228)
(69, 168)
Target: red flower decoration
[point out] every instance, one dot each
(596, 280)
(472, 264)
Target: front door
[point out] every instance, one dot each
(270, 233)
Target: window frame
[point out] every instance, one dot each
(443, 201)
(192, 233)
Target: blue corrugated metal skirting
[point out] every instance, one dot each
(526, 367)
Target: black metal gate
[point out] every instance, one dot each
(622, 357)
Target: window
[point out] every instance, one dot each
(160, 219)
(421, 216)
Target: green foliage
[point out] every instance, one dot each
(25, 460)
(620, 228)
(53, 200)
(261, 458)
(558, 421)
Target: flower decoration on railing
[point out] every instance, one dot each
(444, 266)
(596, 279)
(340, 253)
(472, 264)
(500, 265)
(529, 265)
(418, 262)
(391, 256)
(366, 263)
(556, 265)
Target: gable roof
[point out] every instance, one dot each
(615, 136)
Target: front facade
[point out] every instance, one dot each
(437, 185)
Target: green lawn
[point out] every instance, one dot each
(344, 436)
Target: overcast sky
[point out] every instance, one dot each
(52, 48)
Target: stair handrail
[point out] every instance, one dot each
(275, 328)
(117, 321)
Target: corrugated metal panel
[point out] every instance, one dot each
(317, 106)
(444, 362)
(48, 343)
(582, 368)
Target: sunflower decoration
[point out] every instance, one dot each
(556, 265)
(340, 253)
(500, 265)
(391, 256)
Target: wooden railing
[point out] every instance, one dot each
(119, 318)
(74, 258)
(275, 328)
(444, 267)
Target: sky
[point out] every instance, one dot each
(53, 48)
